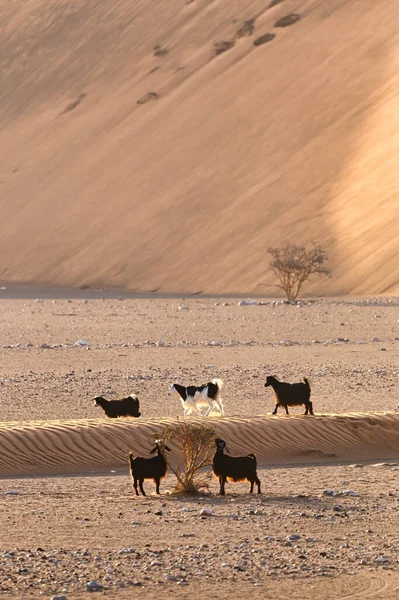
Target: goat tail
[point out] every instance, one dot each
(131, 459)
(252, 455)
(218, 382)
(306, 381)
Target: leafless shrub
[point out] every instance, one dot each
(293, 265)
(196, 442)
(247, 28)
(159, 51)
(223, 46)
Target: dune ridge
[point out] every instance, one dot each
(98, 445)
(293, 140)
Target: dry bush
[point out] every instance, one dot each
(293, 265)
(196, 442)
(159, 51)
(223, 46)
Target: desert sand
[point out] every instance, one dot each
(326, 522)
(292, 140)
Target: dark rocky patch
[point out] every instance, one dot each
(287, 20)
(147, 97)
(74, 104)
(266, 37)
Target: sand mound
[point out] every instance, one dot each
(129, 132)
(84, 446)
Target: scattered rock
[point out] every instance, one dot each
(246, 302)
(127, 551)
(94, 586)
(206, 512)
(82, 343)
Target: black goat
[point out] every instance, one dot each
(290, 394)
(125, 407)
(234, 468)
(149, 468)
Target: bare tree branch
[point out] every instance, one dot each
(293, 265)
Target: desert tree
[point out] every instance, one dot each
(196, 443)
(293, 265)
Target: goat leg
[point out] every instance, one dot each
(286, 409)
(141, 487)
(135, 487)
(275, 410)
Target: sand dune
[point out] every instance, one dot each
(293, 140)
(84, 446)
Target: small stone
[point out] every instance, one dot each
(206, 512)
(82, 343)
(293, 537)
(45, 346)
(59, 598)
(382, 560)
(158, 513)
(127, 551)
(94, 586)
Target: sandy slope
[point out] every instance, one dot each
(85, 446)
(293, 140)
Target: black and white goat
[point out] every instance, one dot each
(234, 468)
(124, 407)
(149, 468)
(193, 397)
(290, 394)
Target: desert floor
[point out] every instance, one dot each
(59, 532)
